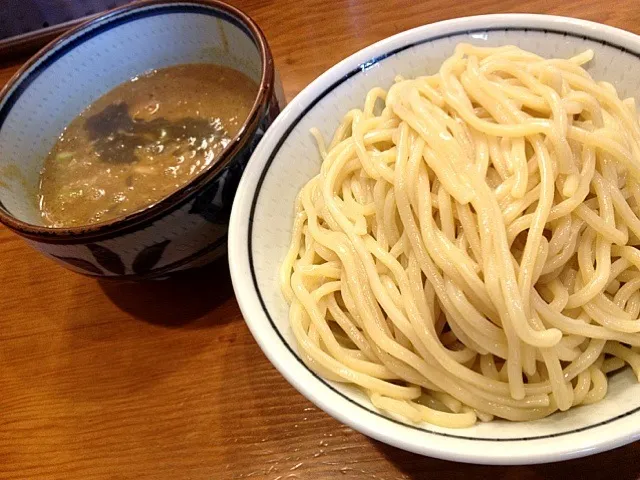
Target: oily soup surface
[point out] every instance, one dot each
(141, 141)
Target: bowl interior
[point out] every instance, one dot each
(288, 158)
(77, 71)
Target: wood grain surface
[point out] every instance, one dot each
(163, 380)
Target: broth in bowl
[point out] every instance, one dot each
(141, 141)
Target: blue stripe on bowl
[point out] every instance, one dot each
(363, 67)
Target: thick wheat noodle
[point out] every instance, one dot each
(467, 250)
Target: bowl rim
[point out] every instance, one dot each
(146, 215)
(600, 436)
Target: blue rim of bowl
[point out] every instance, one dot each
(361, 68)
(64, 44)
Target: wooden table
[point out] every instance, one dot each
(164, 381)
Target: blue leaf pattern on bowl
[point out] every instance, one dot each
(84, 265)
(107, 259)
(149, 257)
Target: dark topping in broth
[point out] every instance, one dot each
(116, 135)
(141, 141)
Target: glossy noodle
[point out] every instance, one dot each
(469, 247)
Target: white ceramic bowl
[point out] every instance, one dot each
(287, 158)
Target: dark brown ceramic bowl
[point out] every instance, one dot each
(187, 228)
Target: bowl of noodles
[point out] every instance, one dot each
(437, 240)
